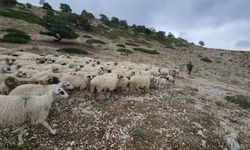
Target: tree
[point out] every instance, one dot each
(42, 2)
(124, 23)
(65, 8)
(8, 2)
(58, 27)
(103, 17)
(78, 21)
(170, 35)
(160, 34)
(115, 21)
(47, 6)
(87, 15)
(201, 43)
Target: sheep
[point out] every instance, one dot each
(164, 71)
(170, 79)
(11, 82)
(23, 110)
(106, 82)
(123, 84)
(139, 82)
(76, 81)
(37, 89)
(174, 72)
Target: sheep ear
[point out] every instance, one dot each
(89, 77)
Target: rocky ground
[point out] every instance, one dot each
(183, 116)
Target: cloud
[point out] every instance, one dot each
(243, 44)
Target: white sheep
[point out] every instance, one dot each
(106, 82)
(77, 82)
(140, 82)
(37, 89)
(20, 110)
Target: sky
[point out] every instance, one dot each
(221, 24)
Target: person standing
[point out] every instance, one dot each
(190, 67)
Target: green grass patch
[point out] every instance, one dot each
(125, 51)
(146, 51)
(15, 36)
(206, 59)
(131, 44)
(120, 45)
(21, 15)
(139, 133)
(87, 36)
(241, 100)
(73, 51)
(95, 41)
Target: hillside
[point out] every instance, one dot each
(192, 114)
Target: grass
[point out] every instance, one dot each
(15, 36)
(73, 51)
(241, 100)
(146, 51)
(95, 41)
(131, 44)
(120, 45)
(125, 51)
(87, 36)
(206, 59)
(19, 14)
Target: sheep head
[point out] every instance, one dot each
(60, 93)
(53, 80)
(11, 82)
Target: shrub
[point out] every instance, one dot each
(139, 133)
(120, 45)
(21, 15)
(15, 36)
(92, 41)
(131, 44)
(73, 51)
(8, 2)
(125, 51)
(146, 51)
(87, 36)
(169, 46)
(206, 59)
(241, 100)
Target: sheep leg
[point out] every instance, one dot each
(20, 136)
(46, 125)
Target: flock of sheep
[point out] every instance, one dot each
(30, 83)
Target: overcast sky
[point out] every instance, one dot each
(219, 23)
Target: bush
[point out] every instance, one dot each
(8, 2)
(120, 45)
(21, 15)
(87, 36)
(131, 44)
(95, 41)
(15, 36)
(139, 133)
(206, 59)
(125, 51)
(73, 51)
(146, 51)
(241, 100)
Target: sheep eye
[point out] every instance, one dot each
(61, 92)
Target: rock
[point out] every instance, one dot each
(68, 148)
(72, 143)
(233, 143)
(203, 143)
(197, 125)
